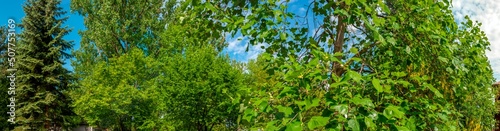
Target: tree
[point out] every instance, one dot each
(260, 80)
(121, 73)
(115, 27)
(42, 102)
(4, 81)
(198, 86)
(117, 93)
(369, 65)
(131, 29)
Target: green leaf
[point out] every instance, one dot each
(210, 6)
(391, 40)
(369, 122)
(317, 121)
(378, 21)
(338, 54)
(239, 22)
(226, 20)
(248, 115)
(387, 88)
(283, 36)
(398, 74)
(411, 123)
(271, 127)
(368, 9)
(393, 111)
(348, 2)
(286, 110)
(356, 59)
(353, 124)
(436, 92)
(354, 75)
(264, 34)
(286, 90)
(277, 13)
(342, 12)
(263, 105)
(402, 128)
(300, 103)
(376, 84)
(312, 103)
(294, 126)
(354, 50)
(314, 62)
(385, 8)
(408, 50)
(364, 102)
(247, 25)
(342, 109)
(442, 59)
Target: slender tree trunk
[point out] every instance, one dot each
(338, 68)
(46, 122)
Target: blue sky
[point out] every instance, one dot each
(484, 11)
(488, 13)
(13, 9)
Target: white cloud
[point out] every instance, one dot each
(236, 46)
(284, 1)
(302, 10)
(488, 13)
(237, 49)
(351, 29)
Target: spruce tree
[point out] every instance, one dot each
(4, 81)
(42, 81)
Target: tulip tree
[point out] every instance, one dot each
(370, 65)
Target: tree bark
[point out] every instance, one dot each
(338, 68)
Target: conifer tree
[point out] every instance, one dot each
(4, 81)
(42, 81)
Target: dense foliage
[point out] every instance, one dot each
(167, 79)
(4, 73)
(197, 88)
(396, 57)
(42, 82)
(341, 65)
